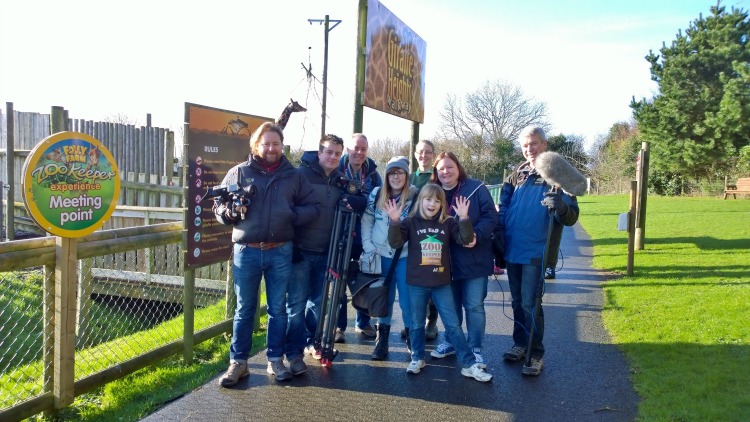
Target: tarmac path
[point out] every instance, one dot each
(585, 377)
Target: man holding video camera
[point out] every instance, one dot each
(311, 241)
(262, 236)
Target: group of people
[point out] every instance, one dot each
(436, 225)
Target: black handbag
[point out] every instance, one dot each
(369, 292)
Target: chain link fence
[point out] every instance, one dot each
(128, 304)
(25, 335)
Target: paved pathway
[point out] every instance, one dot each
(585, 377)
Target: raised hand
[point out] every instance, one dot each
(393, 210)
(462, 207)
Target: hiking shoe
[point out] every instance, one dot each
(534, 368)
(430, 330)
(312, 351)
(549, 273)
(443, 350)
(278, 368)
(236, 371)
(368, 331)
(339, 337)
(415, 366)
(515, 354)
(478, 358)
(474, 371)
(297, 366)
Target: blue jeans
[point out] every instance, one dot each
(523, 280)
(250, 265)
(398, 282)
(469, 294)
(442, 297)
(311, 274)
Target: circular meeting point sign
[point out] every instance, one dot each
(70, 184)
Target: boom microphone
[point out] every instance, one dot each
(559, 172)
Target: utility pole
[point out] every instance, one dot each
(326, 22)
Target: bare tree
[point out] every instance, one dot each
(497, 110)
(382, 150)
(482, 128)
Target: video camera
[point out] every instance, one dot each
(352, 187)
(239, 196)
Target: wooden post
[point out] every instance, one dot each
(10, 177)
(359, 75)
(169, 155)
(48, 332)
(188, 314)
(640, 219)
(413, 165)
(231, 297)
(65, 321)
(631, 226)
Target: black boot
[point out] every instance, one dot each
(381, 342)
(408, 341)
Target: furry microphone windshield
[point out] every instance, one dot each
(559, 172)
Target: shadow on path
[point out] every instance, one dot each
(585, 377)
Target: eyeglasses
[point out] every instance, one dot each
(397, 174)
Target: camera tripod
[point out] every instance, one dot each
(337, 271)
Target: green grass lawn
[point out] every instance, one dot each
(683, 319)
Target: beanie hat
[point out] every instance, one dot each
(399, 162)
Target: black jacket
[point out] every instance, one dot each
(283, 199)
(315, 236)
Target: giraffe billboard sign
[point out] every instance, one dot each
(70, 184)
(394, 65)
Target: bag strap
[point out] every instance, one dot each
(396, 256)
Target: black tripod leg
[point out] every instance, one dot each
(338, 263)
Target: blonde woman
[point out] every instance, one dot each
(375, 241)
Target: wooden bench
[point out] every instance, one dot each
(741, 186)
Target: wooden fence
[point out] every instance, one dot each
(143, 154)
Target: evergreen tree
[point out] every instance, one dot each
(701, 116)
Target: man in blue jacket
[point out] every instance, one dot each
(262, 234)
(526, 205)
(355, 165)
(311, 241)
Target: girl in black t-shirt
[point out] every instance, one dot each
(429, 231)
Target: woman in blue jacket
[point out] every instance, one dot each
(472, 264)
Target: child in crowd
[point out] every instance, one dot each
(429, 231)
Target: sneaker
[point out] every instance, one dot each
(236, 371)
(430, 330)
(339, 337)
(478, 358)
(312, 351)
(443, 350)
(403, 333)
(549, 273)
(515, 353)
(497, 270)
(534, 368)
(474, 371)
(278, 368)
(297, 366)
(415, 366)
(368, 331)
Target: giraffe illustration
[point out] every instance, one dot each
(377, 71)
(292, 107)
